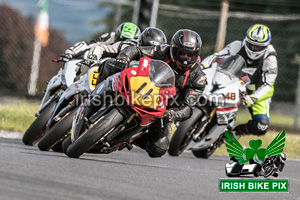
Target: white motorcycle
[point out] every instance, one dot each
(58, 83)
(60, 121)
(215, 111)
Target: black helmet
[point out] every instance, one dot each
(152, 36)
(185, 48)
(126, 31)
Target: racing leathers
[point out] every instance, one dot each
(189, 85)
(79, 48)
(108, 51)
(263, 73)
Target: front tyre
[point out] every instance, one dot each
(182, 136)
(57, 132)
(66, 143)
(95, 133)
(38, 125)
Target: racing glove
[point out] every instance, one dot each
(122, 63)
(65, 57)
(87, 63)
(168, 116)
(249, 100)
(177, 114)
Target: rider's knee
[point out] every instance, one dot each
(259, 126)
(157, 148)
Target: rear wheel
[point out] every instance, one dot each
(37, 127)
(183, 136)
(57, 132)
(95, 133)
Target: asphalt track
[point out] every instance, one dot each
(27, 173)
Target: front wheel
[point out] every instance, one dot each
(183, 136)
(38, 125)
(57, 132)
(66, 143)
(95, 133)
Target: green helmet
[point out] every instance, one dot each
(126, 31)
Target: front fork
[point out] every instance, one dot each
(205, 120)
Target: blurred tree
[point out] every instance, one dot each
(16, 51)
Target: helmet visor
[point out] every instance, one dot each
(185, 55)
(255, 48)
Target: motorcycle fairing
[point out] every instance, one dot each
(136, 80)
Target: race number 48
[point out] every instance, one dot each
(229, 96)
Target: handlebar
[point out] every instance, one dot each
(63, 58)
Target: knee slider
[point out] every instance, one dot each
(157, 148)
(260, 126)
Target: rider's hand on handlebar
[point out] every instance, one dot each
(122, 63)
(168, 116)
(90, 61)
(249, 100)
(65, 57)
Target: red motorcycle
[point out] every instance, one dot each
(121, 109)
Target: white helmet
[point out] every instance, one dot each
(257, 40)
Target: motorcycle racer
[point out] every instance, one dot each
(182, 55)
(126, 34)
(260, 57)
(124, 31)
(151, 36)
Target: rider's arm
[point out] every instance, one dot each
(231, 49)
(130, 53)
(106, 38)
(77, 49)
(160, 52)
(191, 96)
(104, 50)
(80, 47)
(268, 77)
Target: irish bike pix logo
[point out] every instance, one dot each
(261, 163)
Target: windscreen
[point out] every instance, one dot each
(233, 64)
(161, 74)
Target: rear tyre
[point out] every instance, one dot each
(95, 133)
(57, 132)
(181, 137)
(38, 125)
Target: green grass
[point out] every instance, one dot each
(17, 116)
(275, 119)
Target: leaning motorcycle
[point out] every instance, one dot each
(60, 121)
(121, 108)
(61, 81)
(215, 111)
